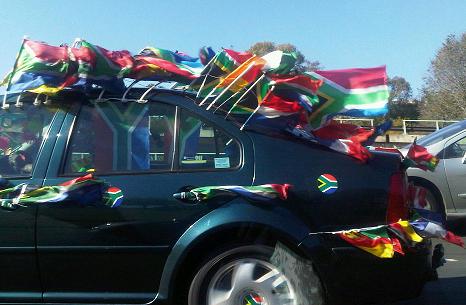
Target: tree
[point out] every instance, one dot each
(302, 64)
(400, 102)
(444, 92)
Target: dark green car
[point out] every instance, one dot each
(157, 249)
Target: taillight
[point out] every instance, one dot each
(398, 200)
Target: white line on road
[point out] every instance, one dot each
(451, 260)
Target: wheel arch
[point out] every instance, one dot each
(237, 223)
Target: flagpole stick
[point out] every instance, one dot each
(257, 108)
(205, 67)
(5, 105)
(205, 78)
(244, 94)
(231, 84)
(235, 94)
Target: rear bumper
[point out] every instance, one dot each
(353, 276)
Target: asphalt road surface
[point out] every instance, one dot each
(450, 288)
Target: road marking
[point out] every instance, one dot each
(451, 260)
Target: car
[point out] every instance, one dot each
(445, 187)
(160, 249)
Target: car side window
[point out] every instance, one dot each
(455, 150)
(22, 131)
(120, 137)
(203, 146)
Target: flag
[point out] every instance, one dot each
(429, 228)
(206, 54)
(182, 60)
(82, 190)
(265, 192)
(39, 64)
(279, 62)
(153, 68)
(244, 75)
(375, 241)
(378, 131)
(300, 83)
(344, 138)
(418, 156)
(223, 63)
(350, 92)
(417, 195)
(112, 197)
(404, 228)
(102, 67)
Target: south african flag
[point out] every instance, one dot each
(327, 184)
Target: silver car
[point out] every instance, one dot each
(446, 186)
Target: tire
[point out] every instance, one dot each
(256, 274)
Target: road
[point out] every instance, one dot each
(450, 288)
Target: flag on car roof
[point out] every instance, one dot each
(279, 62)
(223, 63)
(375, 241)
(153, 68)
(182, 60)
(350, 92)
(206, 54)
(102, 67)
(38, 64)
(418, 156)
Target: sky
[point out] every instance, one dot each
(403, 35)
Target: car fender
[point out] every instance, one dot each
(237, 212)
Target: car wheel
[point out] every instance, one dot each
(253, 275)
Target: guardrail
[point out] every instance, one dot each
(426, 128)
(371, 121)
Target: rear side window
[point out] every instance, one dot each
(22, 131)
(120, 137)
(202, 146)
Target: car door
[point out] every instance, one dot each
(92, 253)
(455, 169)
(27, 135)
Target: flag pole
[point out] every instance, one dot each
(244, 94)
(234, 94)
(207, 74)
(4, 104)
(257, 108)
(231, 84)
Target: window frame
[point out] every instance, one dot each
(175, 166)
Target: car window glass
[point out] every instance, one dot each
(442, 134)
(121, 137)
(203, 146)
(22, 131)
(455, 150)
